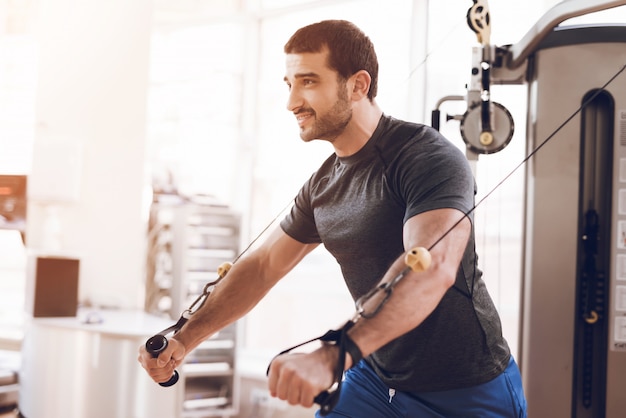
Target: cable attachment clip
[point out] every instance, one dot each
(222, 270)
(416, 260)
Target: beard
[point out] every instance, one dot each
(331, 124)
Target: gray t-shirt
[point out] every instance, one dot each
(356, 206)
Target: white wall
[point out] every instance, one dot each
(92, 87)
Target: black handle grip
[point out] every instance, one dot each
(155, 345)
(435, 116)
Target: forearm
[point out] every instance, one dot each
(412, 300)
(240, 290)
(247, 282)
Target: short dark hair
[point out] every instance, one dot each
(350, 50)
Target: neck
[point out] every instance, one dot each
(365, 118)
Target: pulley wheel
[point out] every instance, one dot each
(487, 142)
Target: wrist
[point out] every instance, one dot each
(353, 353)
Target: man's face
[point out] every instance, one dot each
(317, 98)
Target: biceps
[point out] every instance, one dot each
(280, 253)
(444, 232)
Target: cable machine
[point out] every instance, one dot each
(573, 319)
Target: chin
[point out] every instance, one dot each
(306, 136)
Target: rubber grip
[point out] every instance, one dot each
(155, 346)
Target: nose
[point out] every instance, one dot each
(294, 101)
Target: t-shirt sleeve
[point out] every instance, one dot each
(299, 223)
(435, 175)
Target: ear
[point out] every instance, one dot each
(361, 84)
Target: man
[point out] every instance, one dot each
(435, 349)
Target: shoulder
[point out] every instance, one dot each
(413, 143)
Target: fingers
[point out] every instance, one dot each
(285, 383)
(160, 369)
(295, 378)
(178, 351)
(162, 374)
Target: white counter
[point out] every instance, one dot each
(74, 368)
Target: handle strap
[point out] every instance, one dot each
(329, 398)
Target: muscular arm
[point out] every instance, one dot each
(299, 378)
(244, 286)
(417, 294)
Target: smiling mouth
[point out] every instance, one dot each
(303, 117)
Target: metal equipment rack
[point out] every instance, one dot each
(187, 243)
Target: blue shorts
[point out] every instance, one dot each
(364, 395)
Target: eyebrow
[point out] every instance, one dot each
(303, 75)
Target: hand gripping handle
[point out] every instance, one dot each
(155, 345)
